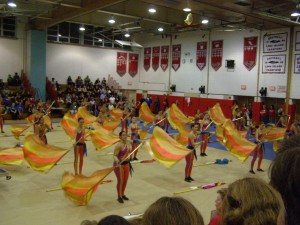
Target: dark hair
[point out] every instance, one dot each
(113, 220)
(80, 118)
(284, 173)
(121, 132)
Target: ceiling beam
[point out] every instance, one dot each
(62, 14)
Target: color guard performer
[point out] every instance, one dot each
(204, 134)
(192, 139)
(1, 118)
(135, 137)
(80, 147)
(41, 130)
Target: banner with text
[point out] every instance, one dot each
(250, 50)
(164, 57)
(155, 57)
(201, 55)
(275, 42)
(216, 54)
(273, 63)
(147, 58)
(133, 64)
(121, 63)
(297, 64)
(176, 56)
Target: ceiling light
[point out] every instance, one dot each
(187, 9)
(152, 10)
(100, 40)
(204, 21)
(295, 14)
(160, 29)
(11, 4)
(82, 28)
(59, 35)
(127, 35)
(112, 20)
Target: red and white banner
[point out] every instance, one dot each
(216, 54)
(250, 50)
(121, 63)
(155, 57)
(147, 58)
(201, 55)
(133, 64)
(164, 57)
(176, 56)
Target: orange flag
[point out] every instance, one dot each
(88, 118)
(69, 124)
(111, 123)
(235, 143)
(145, 114)
(41, 157)
(216, 114)
(273, 133)
(182, 136)
(165, 149)
(79, 189)
(11, 156)
(17, 130)
(177, 117)
(117, 113)
(103, 140)
(30, 119)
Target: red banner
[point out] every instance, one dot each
(121, 63)
(155, 57)
(250, 49)
(176, 56)
(216, 54)
(147, 57)
(133, 64)
(201, 55)
(164, 57)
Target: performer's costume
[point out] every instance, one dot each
(204, 137)
(1, 120)
(189, 160)
(80, 148)
(42, 133)
(124, 123)
(258, 150)
(135, 137)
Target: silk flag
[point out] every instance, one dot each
(86, 115)
(235, 143)
(41, 157)
(111, 123)
(183, 134)
(100, 128)
(177, 117)
(165, 149)
(133, 64)
(121, 63)
(216, 114)
(145, 114)
(69, 125)
(273, 133)
(79, 189)
(117, 113)
(250, 49)
(11, 156)
(216, 54)
(17, 130)
(176, 56)
(102, 140)
(147, 58)
(29, 119)
(201, 55)
(164, 57)
(155, 57)
(47, 119)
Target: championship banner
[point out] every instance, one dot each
(155, 57)
(164, 57)
(133, 64)
(176, 56)
(273, 63)
(121, 63)
(250, 49)
(147, 57)
(216, 54)
(275, 43)
(201, 55)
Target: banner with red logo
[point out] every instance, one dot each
(201, 55)
(176, 56)
(147, 57)
(155, 57)
(216, 54)
(121, 63)
(250, 49)
(164, 57)
(133, 64)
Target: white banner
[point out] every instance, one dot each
(275, 42)
(273, 63)
(297, 64)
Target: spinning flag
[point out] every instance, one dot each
(47, 119)
(17, 130)
(41, 157)
(111, 123)
(165, 149)
(88, 118)
(79, 189)
(216, 114)
(69, 124)
(273, 133)
(176, 117)
(183, 135)
(11, 156)
(117, 113)
(103, 140)
(145, 114)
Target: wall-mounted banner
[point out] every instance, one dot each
(147, 58)
(176, 56)
(201, 55)
(216, 54)
(121, 63)
(297, 42)
(275, 42)
(164, 57)
(297, 64)
(273, 63)
(133, 64)
(155, 57)
(250, 49)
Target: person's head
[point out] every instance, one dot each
(80, 121)
(88, 222)
(123, 135)
(251, 201)
(113, 220)
(172, 210)
(195, 127)
(133, 119)
(219, 200)
(284, 174)
(262, 125)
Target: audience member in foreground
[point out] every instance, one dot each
(251, 201)
(216, 219)
(285, 177)
(172, 211)
(113, 220)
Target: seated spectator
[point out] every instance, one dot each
(113, 220)
(217, 214)
(251, 201)
(88, 222)
(79, 81)
(87, 80)
(57, 87)
(172, 211)
(53, 81)
(14, 111)
(1, 84)
(73, 108)
(10, 80)
(70, 81)
(285, 177)
(97, 81)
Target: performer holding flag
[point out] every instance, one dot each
(192, 139)
(135, 137)
(204, 134)
(80, 146)
(41, 130)
(1, 118)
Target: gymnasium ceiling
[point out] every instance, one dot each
(133, 16)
